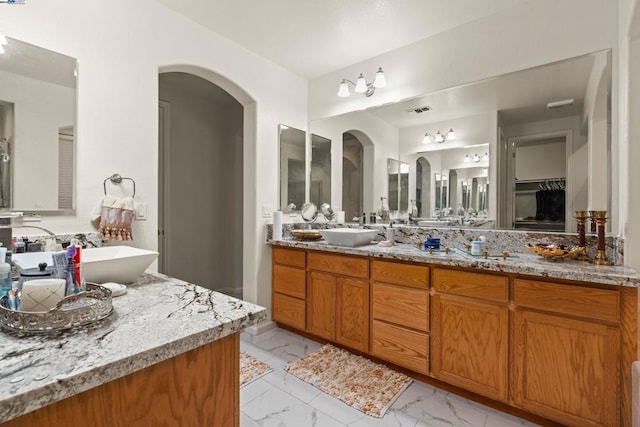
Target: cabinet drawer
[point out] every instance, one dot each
(401, 346)
(289, 311)
(416, 276)
(290, 281)
(403, 306)
(582, 301)
(293, 257)
(339, 264)
(475, 285)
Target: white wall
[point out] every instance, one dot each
(41, 109)
(629, 149)
(120, 46)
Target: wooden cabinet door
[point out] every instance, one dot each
(352, 313)
(566, 369)
(321, 305)
(470, 344)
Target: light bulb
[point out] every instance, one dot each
(467, 159)
(451, 135)
(380, 80)
(427, 138)
(3, 39)
(361, 84)
(439, 137)
(476, 158)
(485, 157)
(343, 92)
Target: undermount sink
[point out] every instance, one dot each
(120, 264)
(348, 236)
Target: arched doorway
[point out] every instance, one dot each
(202, 198)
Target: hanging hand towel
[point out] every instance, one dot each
(114, 216)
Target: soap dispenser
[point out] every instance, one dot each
(5, 273)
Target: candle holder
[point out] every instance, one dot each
(592, 217)
(600, 218)
(581, 219)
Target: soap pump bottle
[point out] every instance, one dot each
(5, 273)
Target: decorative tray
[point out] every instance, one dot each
(306, 234)
(555, 252)
(74, 310)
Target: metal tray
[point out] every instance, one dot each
(75, 310)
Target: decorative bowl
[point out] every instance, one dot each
(306, 234)
(553, 252)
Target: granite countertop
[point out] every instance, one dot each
(158, 318)
(518, 263)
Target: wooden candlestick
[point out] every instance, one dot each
(581, 219)
(600, 218)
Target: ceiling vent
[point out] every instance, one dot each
(560, 104)
(418, 110)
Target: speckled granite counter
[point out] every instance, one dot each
(159, 318)
(521, 263)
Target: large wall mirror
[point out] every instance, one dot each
(320, 189)
(37, 128)
(292, 168)
(398, 185)
(520, 138)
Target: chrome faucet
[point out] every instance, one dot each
(46, 230)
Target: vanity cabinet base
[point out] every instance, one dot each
(198, 388)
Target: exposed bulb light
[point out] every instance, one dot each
(439, 137)
(475, 158)
(361, 84)
(428, 138)
(467, 159)
(343, 92)
(3, 39)
(485, 158)
(451, 135)
(380, 80)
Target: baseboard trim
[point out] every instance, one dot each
(261, 328)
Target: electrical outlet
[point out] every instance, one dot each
(267, 211)
(141, 211)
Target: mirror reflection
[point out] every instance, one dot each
(320, 191)
(37, 128)
(292, 168)
(398, 185)
(562, 108)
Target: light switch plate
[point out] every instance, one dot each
(141, 211)
(267, 211)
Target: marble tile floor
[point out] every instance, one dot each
(279, 399)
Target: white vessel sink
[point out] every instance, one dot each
(120, 264)
(348, 236)
(433, 223)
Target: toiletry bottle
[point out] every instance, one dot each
(5, 273)
(18, 246)
(483, 243)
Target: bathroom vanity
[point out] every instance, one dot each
(167, 355)
(552, 339)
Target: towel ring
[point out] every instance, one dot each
(117, 179)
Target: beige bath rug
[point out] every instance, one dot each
(367, 386)
(251, 368)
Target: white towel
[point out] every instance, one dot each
(113, 217)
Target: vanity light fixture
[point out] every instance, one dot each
(361, 85)
(439, 138)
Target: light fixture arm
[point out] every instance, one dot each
(370, 87)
